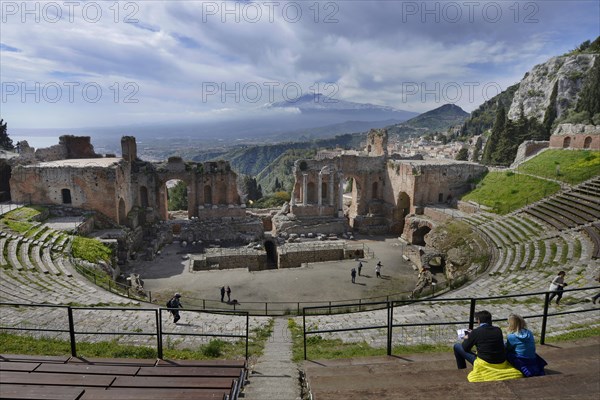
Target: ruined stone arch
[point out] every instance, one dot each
(163, 201)
(567, 142)
(418, 236)
(587, 143)
(122, 212)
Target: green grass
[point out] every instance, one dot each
(504, 192)
(91, 250)
(577, 332)
(17, 226)
(576, 166)
(319, 348)
(216, 348)
(24, 213)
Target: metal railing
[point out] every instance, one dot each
(159, 332)
(390, 306)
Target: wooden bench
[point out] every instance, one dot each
(137, 394)
(9, 391)
(76, 378)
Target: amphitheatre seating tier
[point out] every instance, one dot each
(571, 373)
(36, 377)
(593, 232)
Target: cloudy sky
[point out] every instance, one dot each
(104, 63)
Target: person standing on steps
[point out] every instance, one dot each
(222, 293)
(228, 294)
(556, 287)
(378, 269)
(359, 267)
(353, 274)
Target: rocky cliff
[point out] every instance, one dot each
(567, 73)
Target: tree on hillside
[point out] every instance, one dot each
(249, 188)
(550, 114)
(463, 154)
(5, 142)
(477, 149)
(498, 130)
(589, 98)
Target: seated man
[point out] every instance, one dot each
(488, 340)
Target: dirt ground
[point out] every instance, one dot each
(326, 281)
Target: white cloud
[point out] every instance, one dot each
(180, 49)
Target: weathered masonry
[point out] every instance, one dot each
(126, 189)
(373, 191)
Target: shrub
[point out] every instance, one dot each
(91, 250)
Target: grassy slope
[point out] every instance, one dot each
(506, 191)
(576, 166)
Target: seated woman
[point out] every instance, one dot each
(520, 348)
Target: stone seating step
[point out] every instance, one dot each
(42, 237)
(566, 214)
(3, 260)
(12, 254)
(24, 249)
(37, 258)
(62, 267)
(504, 233)
(47, 260)
(545, 219)
(585, 212)
(587, 201)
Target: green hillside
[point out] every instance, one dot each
(483, 117)
(437, 120)
(279, 172)
(507, 191)
(571, 166)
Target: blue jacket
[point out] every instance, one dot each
(521, 343)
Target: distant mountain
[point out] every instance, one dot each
(437, 120)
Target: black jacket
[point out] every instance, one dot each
(489, 342)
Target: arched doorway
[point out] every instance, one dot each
(311, 193)
(375, 190)
(144, 196)
(271, 250)
(66, 196)
(122, 212)
(177, 195)
(221, 193)
(208, 194)
(587, 143)
(5, 172)
(567, 142)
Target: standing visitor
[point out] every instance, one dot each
(556, 287)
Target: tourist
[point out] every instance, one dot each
(520, 348)
(353, 274)
(222, 293)
(488, 340)
(228, 294)
(556, 287)
(378, 269)
(174, 305)
(359, 267)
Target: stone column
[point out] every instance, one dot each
(341, 195)
(330, 195)
(320, 190)
(304, 189)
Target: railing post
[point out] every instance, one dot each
(298, 308)
(159, 347)
(304, 331)
(266, 310)
(544, 318)
(472, 313)
(203, 304)
(72, 332)
(247, 333)
(150, 296)
(390, 326)
(329, 307)
(109, 288)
